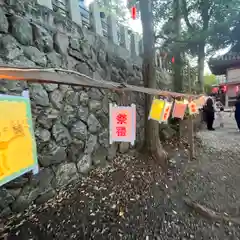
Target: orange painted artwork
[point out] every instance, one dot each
(122, 122)
(166, 111)
(179, 109)
(18, 153)
(193, 108)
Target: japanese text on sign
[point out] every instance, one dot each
(166, 111)
(17, 146)
(122, 122)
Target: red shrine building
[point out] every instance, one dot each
(229, 66)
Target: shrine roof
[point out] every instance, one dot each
(220, 64)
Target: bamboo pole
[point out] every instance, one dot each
(190, 123)
(69, 77)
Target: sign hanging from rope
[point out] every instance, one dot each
(122, 123)
(156, 110)
(18, 154)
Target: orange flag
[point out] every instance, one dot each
(179, 109)
(193, 108)
(166, 111)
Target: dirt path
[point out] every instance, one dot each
(131, 200)
(218, 169)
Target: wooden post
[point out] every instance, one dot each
(190, 124)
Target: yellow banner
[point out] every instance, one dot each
(156, 109)
(18, 153)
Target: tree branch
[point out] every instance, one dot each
(185, 14)
(198, 37)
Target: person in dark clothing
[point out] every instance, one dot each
(209, 114)
(237, 112)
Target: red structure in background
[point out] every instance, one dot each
(134, 12)
(215, 90)
(223, 89)
(219, 89)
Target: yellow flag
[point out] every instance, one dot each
(156, 109)
(18, 153)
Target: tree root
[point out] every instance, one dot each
(209, 213)
(161, 156)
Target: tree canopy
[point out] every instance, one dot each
(206, 26)
(210, 79)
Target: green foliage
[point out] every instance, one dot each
(207, 26)
(209, 21)
(209, 80)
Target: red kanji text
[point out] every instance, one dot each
(121, 118)
(121, 131)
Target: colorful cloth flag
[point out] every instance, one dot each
(179, 109)
(122, 123)
(156, 110)
(192, 107)
(18, 153)
(200, 101)
(166, 111)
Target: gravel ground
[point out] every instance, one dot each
(131, 199)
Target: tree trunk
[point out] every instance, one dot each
(152, 140)
(201, 59)
(177, 65)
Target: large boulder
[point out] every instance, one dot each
(56, 98)
(38, 186)
(3, 22)
(76, 150)
(21, 30)
(84, 164)
(9, 47)
(35, 55)
(83, 98)
(94, 105)
(54, 60)
(39, 95)
(91, 144)
(167, 132)
(42, 39)
(65, 174)
(83, 113)
(100, 156)
(50, 87)
(42, 135)
(72, 98)
(94, 125)
(5, 198)
(52, 154)
(103, 138)
(61, 134)
(79, 130)
(68, 115)
(83, 68)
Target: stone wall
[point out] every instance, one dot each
(71, 123)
